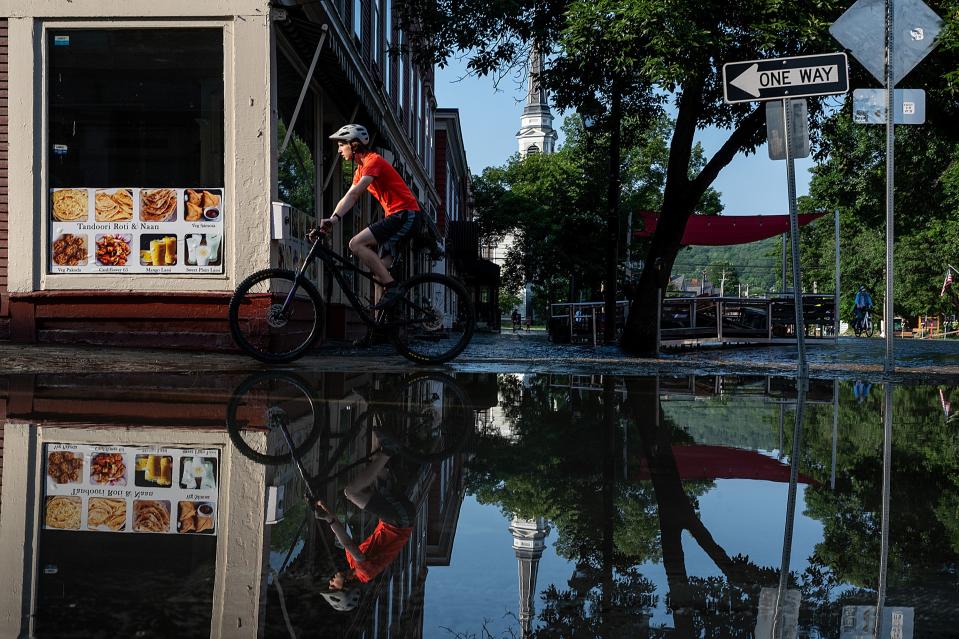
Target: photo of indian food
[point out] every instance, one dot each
(195, 517)
(154, 471)
(203, 249)
(202, 205)
(158, 250)
(70, 205)
(62, 512)
(198, 473)
(113, 205)
(150, 515)
(113, 250)
(157, 205)
(106, 514)
(64, 467)
(70, 250)
(108, 468)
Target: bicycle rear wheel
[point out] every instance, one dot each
(434, 320)
(269, 327)
(265, 404)
(430, 417)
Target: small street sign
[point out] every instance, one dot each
(869, 106)
(860, 29)
(776, 130)
(777, 78)
(859, 622)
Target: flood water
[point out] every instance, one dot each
(477, 506)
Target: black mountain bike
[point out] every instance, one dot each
(276, 315)
(426, 414)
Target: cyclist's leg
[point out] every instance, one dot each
(364, 245)
(360, 488)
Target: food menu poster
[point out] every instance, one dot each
(136, 230)
(131, 489)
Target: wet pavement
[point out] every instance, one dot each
(529, 352)
(158, 503)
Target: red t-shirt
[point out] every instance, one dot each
(387, 187)
(380, 549)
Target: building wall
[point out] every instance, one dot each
(189, 311)
(4, 300)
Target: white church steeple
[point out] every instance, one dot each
(536, 133)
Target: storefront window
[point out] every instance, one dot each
(136, 161)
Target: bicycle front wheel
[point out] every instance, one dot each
(270, 324)
(434, 320)
(869, 327)
(431, 417)
(272, 417)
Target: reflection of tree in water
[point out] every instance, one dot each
(564, 462)
(924, 502)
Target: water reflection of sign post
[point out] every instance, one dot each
(859, 622)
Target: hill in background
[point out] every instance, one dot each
(756, 264)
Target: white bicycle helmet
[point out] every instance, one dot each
(343, 600)
(350, 132)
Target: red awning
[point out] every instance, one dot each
(698, 462)
(726, 230)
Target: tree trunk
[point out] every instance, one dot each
(612, 214)
(680, 198)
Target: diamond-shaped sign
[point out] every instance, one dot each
(862, 28)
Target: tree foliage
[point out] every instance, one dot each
(852, 179)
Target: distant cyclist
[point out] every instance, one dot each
(861, 305)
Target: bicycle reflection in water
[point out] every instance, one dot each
(276, 418)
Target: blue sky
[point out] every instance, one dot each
(490, 118)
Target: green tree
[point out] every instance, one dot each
(852, 178)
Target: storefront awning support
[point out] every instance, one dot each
(306, 87)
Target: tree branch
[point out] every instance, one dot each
(733, 145)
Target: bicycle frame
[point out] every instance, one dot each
(336, 264)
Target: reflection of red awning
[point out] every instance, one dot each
(696, 462)
(726, 230)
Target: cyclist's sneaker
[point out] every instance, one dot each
(391, 295)
(388, 443)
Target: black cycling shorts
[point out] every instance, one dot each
(393, 508)
(392, 230)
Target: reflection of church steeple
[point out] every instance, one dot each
(536, 133)
(529, 540)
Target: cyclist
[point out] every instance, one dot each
(396, 514)
(376, 245)
(861, 305)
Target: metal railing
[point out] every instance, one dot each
(686, 320)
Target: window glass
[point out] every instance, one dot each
(136, 163)
(358, 18)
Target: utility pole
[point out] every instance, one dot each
(702, 284)
(722, 285)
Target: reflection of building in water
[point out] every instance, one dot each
(529, 540)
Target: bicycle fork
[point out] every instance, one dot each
(300, 274)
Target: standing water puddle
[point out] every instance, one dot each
(476, 505)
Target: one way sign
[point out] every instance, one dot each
(796, 77)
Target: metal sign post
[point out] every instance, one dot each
(858, 29)
(787, 79)
(794, 239)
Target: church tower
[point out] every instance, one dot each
(536, 133)
(529, 540)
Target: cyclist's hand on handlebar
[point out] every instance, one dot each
(323, 512)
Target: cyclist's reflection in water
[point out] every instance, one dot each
(417, 420)
(374, 491)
